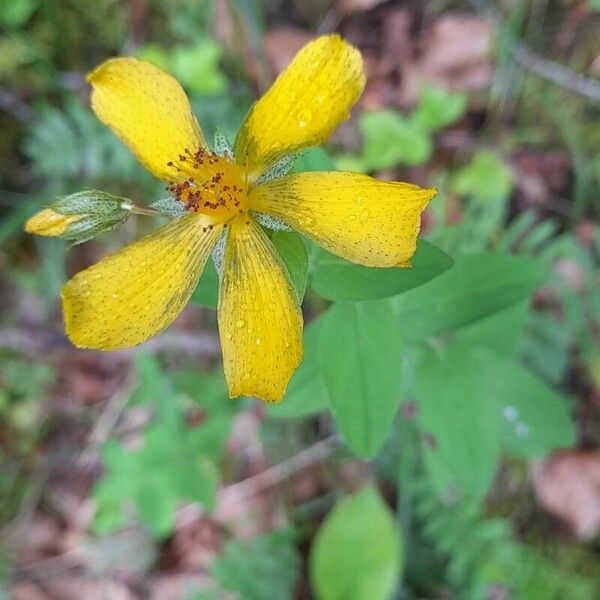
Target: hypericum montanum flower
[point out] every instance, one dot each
(137, 292)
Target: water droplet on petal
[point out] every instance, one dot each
(258, 340)
(114, 296)
(304, 118)
(229, 336)
(240, 323)
(246, 375)
(364, 215)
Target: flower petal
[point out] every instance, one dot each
(260, 322)
(304, 105)
(49, 223)
(148, 110)
(137, 292)
(364, 220)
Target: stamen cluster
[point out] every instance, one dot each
(212, 184)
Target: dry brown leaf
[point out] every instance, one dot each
(567, 484)
(76, 587)
(351, 6)
(456, 55)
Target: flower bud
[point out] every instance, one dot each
(80, 217)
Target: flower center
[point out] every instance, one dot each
(209, 184)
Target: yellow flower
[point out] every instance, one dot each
(136, 293)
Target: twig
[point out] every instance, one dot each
(106, 422)
(556, 73)
(34, 342)
(267, 479)
(279, 473)
(543, 67)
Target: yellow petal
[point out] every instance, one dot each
(260, 322)
(364, 220)
(148, 110)
(50, 223)
(137, 292)
(304, 105)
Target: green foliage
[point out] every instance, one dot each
(460, 422)
(356, 554)
(176, 461)
(70, 144)
(392, 139)
(438, 109)
(267, 566)
(337, 279)
(15, 13)
(360, 353)
(483, 558)
(473, 401)
(196, 65)
(485, 177)
(476, 286)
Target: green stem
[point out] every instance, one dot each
(407, 464)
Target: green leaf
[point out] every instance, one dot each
(156, 506)
(208, 390)
(197, 67)
(501, 331)
(476, 286)
(15, 13)
(356, 554)
(459, 420)
(314, 159)
(534, 419)
(360, 357)
(485, 177)
(307, 392)
(438, 108)
(207, 291)
(334, 278)
(390, 139)
(266, 567)
(151, 383)
(291, 249)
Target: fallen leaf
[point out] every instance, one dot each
(351, 6)
(456, 56)
(567, 484)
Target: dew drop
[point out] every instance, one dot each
(240, 323)
(229, 336)
(510, 413)
(364, 215)
(246, 375)
(521, 429)
(258, 341)
(114, 296)
(304, 118)
(287, 344)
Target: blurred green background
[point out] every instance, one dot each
(458, 456)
